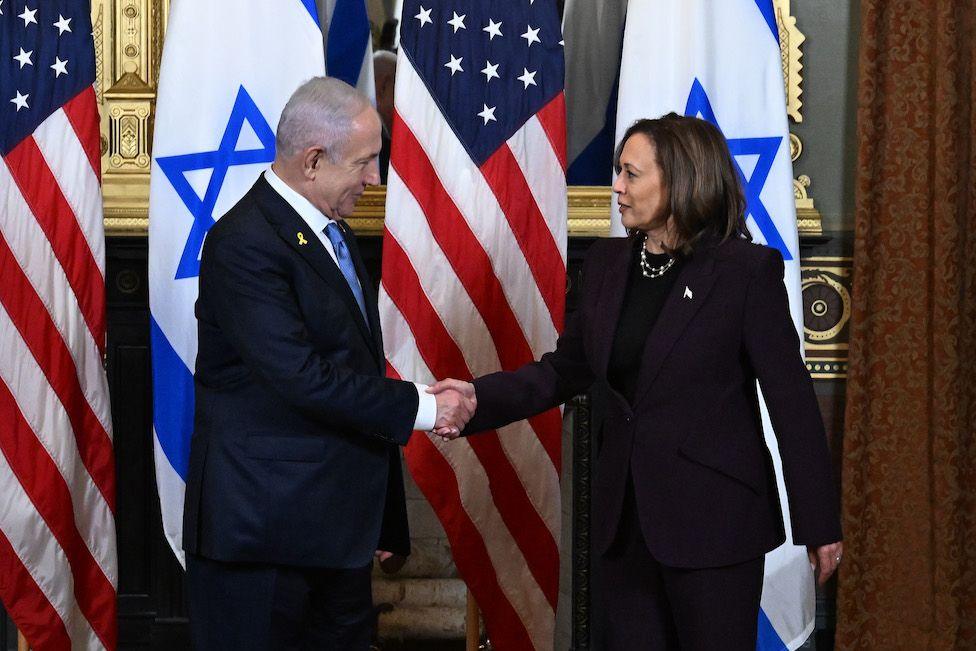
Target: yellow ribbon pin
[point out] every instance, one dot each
(301, 239)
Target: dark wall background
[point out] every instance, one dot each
(829, 100)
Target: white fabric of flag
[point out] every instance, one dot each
(721, 61)
(228, 68)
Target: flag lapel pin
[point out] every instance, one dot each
(301, 239)
(688, 293)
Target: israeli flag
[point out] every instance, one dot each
(348, 44)
(228, 68)
(721, 61)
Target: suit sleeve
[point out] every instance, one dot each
(509, 396)
(773, 348)
(253, 303)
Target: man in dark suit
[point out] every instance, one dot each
(295, 478)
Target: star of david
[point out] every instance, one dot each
(220, 160)
(765, 148)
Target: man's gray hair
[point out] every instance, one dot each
(319, 113)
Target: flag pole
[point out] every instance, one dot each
(22, 642)
(472, 624)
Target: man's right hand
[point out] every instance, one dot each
(456, 404)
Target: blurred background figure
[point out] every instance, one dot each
(384, 74)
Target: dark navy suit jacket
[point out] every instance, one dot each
(294, 458)
(692, 441)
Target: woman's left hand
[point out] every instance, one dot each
(825, 559)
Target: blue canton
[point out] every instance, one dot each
(765, 148)
(489, 64)
(47, 56)
(220, 160)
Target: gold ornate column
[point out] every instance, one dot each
(790, 38)
(128, 45)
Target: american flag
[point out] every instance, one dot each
(57, 477)
(474, 262)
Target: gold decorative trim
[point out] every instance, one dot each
(589, 211)
(827, 369)
(826, 289)
(790, 40)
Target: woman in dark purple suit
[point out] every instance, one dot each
(676, 324)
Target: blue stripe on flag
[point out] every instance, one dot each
(594, 165)
(312, 9)
(172, 401)
(768, 639)
(766, 8)
(348, 38)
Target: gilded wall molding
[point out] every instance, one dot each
(128, 47)
(826, 287)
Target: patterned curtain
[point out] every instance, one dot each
(909, 473)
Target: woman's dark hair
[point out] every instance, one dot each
(704, 194)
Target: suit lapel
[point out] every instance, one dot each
(689, 293)
(611, 303)
(296, 233)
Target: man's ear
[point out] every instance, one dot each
(311, 160)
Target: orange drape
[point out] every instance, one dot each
(909, 473)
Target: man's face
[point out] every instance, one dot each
(337, 186)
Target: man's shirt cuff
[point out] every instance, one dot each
(426, 409)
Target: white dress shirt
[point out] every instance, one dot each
(317, 221)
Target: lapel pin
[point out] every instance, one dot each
(688, 293)
(301, 239)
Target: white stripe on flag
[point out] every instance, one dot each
(536, 158)
(35, 256)
(38, 550)
(63, 153)
(48, 420)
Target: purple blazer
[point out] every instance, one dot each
(692, 441)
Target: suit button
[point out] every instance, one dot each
(629, 419)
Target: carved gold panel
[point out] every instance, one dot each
(128, 47)
(826, 287)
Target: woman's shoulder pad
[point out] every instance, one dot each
(745, 252)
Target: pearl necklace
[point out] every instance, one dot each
(649, 271)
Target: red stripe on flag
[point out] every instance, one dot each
(429, 468)
(30, 610)
(43, 195)
(514, 195)
(552, 116)
(41, 335)
(472, 266)
(82, 112)
(47, 490)
(444, 359)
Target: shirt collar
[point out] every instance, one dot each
(311, 215)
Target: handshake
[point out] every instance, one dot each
(456, 403)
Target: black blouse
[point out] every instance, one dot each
(642, 304)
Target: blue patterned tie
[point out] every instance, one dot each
(346, 266)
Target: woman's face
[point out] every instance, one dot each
(641, 194)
